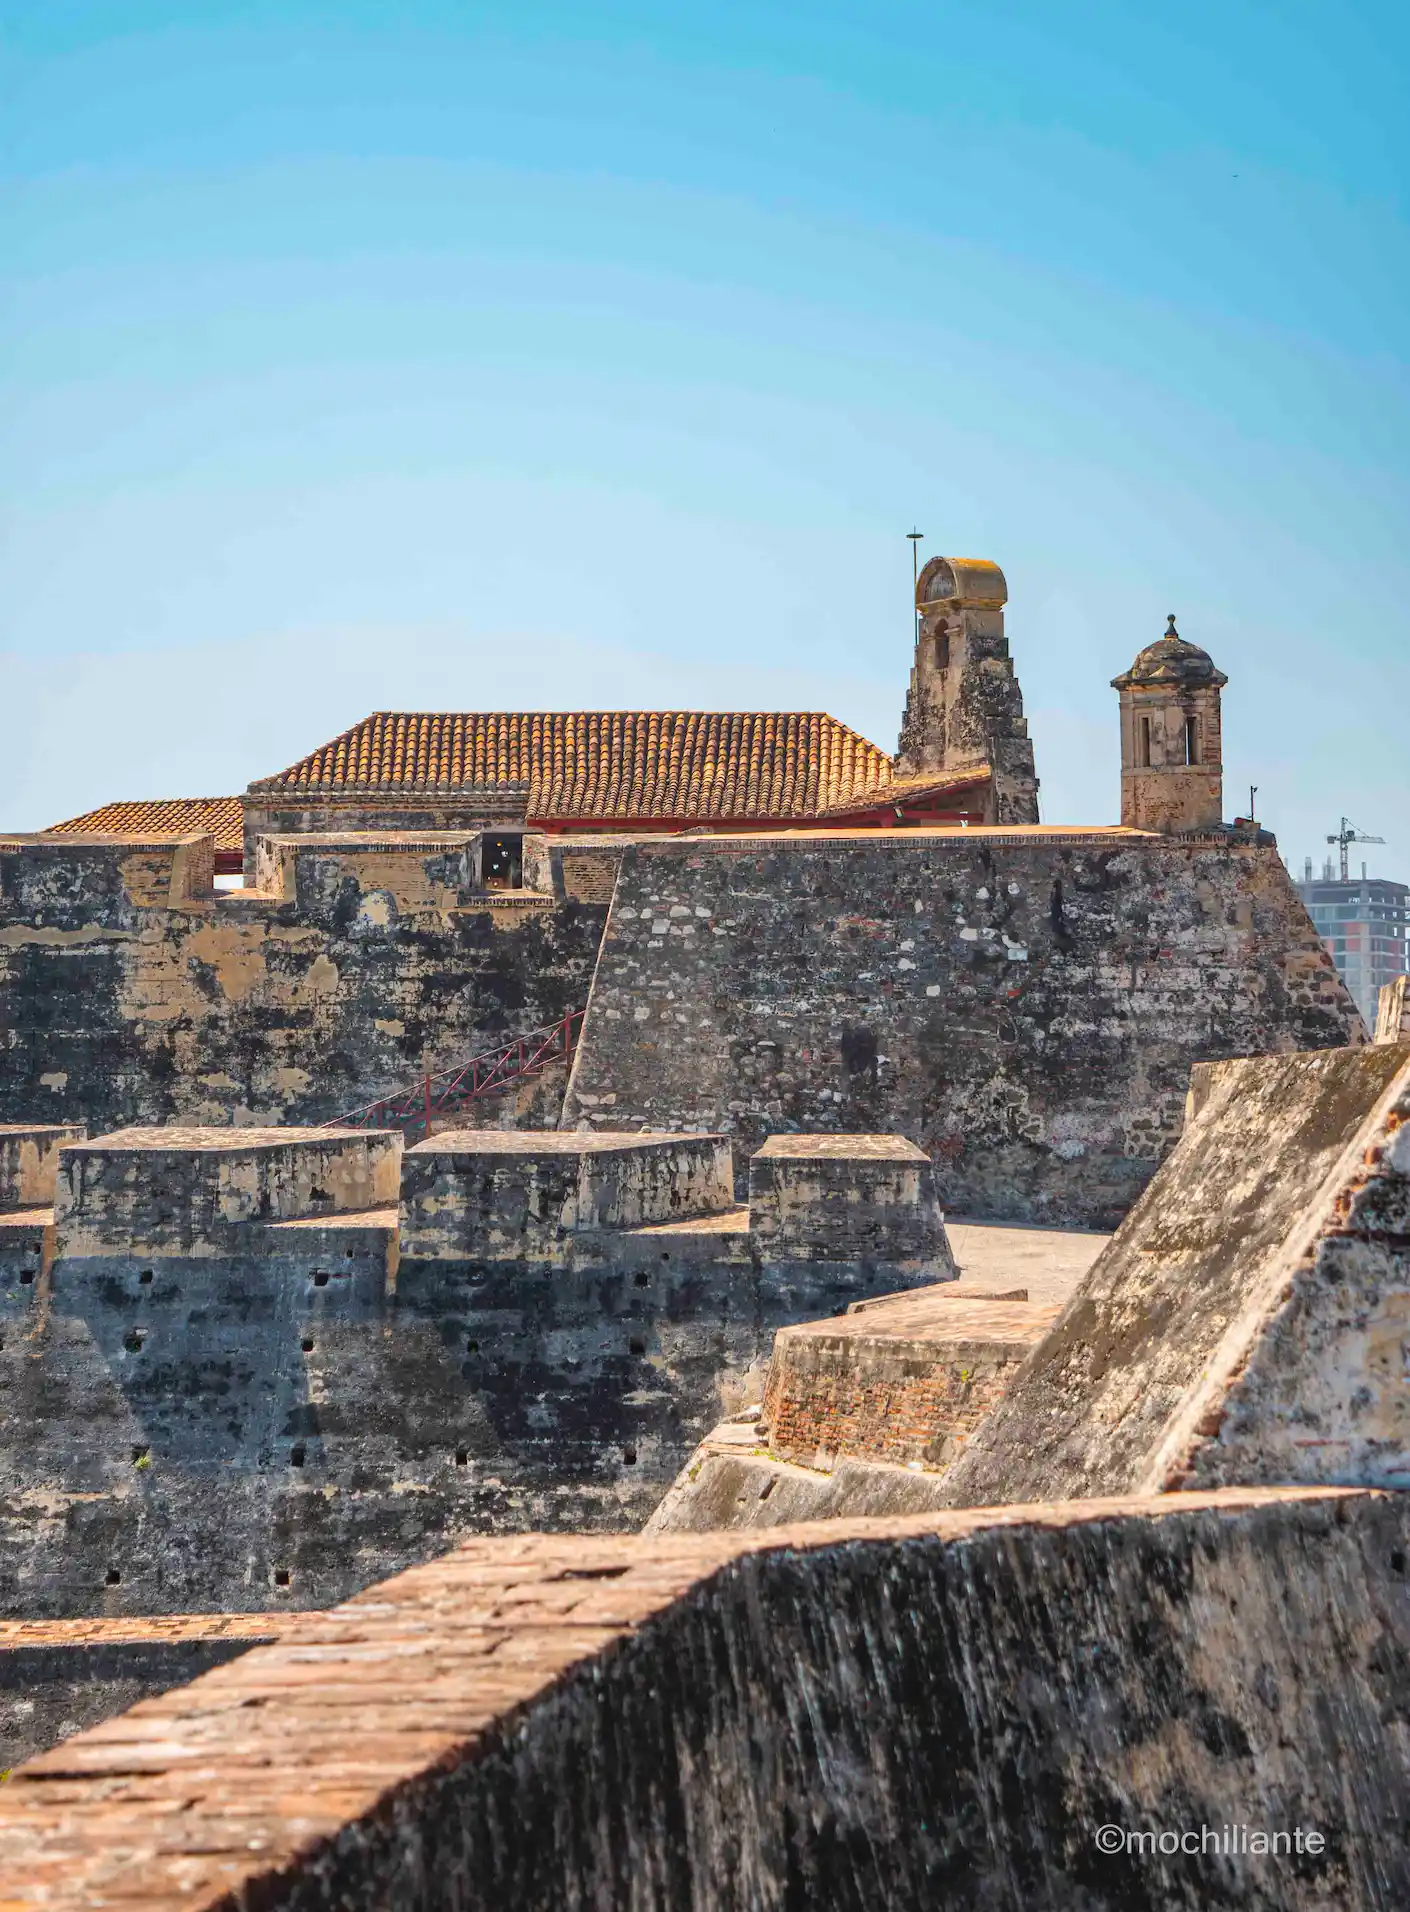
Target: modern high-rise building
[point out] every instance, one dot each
(1364, 922)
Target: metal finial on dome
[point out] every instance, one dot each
(1170, 630)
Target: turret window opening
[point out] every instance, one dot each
(1143, 743)
(1191, 740)
(942, 651)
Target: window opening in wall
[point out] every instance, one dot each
(462, 1457)
(502, 863)
(281, 1576)
(636, 1345)
(1143, 743)
(942, 651)
(629, 1456)
(307, 1344)
(642, 1280)
(296, 1457)
(472, 1347)
(113, 1578)
(1192, 740)
(26, 1276)
(145, 1278)
(132, 1341)
(320, 1277)
(141, 1456)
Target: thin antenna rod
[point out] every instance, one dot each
(915, 538)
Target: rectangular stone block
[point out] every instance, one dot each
(867, 1198)
(29, 1160)
(906, 1381)
(501, 1195)
(184, 1191)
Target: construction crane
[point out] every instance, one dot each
(1345, 837)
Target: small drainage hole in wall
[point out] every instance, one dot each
(114, 1578)
(320, 1277)
(296, 1457)
(26, 1277)
(141, 1456)
(636, 1345)
(642, 1281)
(281, 1576)
(462, 1457)
(145, 1278)
(629, 1456)
(472, 1347)
(132, 1341)
(665, 1257)
(768, 1487)
(307, 1344)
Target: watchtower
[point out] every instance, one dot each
(964, 708)
(1172, 776)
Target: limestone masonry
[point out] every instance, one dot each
(549, 1121)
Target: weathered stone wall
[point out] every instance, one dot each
(491, 1196)
(130, 992)
(931, 1715)
(1249, 1321)
(226, 1435)
(1026, 1007)
(191, 1192)
(847, 1198)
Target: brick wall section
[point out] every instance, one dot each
(903, 1382)
(131, 993)
(929, 1713)
(1025, 1006)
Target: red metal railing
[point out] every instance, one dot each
(418, 1105)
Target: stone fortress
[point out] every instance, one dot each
(278, 1322)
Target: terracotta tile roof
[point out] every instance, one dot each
(608, 763)
(163, 816)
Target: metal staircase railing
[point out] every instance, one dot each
(417, 1106)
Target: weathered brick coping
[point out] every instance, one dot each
(234, 1790)
(156, 1628)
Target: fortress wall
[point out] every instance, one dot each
(1026, 1007)
(1249, 1320)
(228, 1420)
(939, 1712)
(130, 993)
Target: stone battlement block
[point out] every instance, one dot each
(29, 1160)
(906, 1381)
(866, 1198)
(183, 1191)
(504, 1195)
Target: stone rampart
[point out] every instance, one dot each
(1248, 1322)
(931, 1715)
(846, 1198)
(132, 992)
(1026, 1005)
(240, 1382)
(190, 1191)
(505, 1196)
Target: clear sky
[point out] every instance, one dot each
(425, 355)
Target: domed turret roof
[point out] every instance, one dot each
(1170, 660)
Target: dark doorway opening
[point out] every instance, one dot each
(502, 863)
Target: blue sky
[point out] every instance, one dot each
(375, 355)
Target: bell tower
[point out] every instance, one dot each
(964, 709)
(1172, 773)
